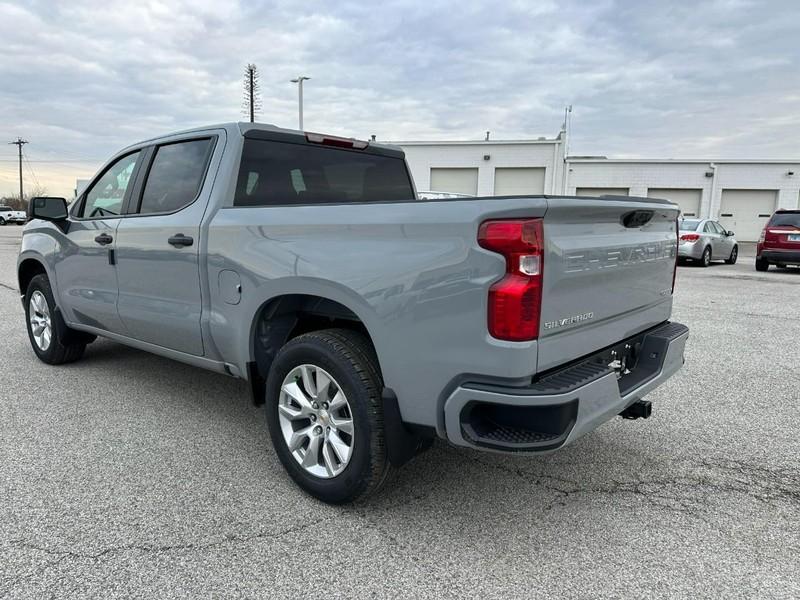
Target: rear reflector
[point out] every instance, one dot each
(339, 142)
(515, 301)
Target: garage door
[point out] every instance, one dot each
(458, 181)
(688, 200)
(518, 181)
(601, 191)
(745, 212)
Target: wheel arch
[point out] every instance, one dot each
(27, 269)
(282, 318)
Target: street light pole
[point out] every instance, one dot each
(299, 81)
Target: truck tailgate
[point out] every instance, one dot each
(607, 275)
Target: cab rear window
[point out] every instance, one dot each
(278, 173)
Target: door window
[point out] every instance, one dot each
(175, 176)
(105, 197)
(709, 228)
(720, 229)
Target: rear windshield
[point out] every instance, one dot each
(785, 219)
(275, 173)
(690, 224)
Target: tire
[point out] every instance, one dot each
(731, 260)
(705, 260)
(761, 264)
(348, 360)
(63, 345)
(2, 221)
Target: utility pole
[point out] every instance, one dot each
(250, 86)
(19, 143)
(299, 81)
(251, 103)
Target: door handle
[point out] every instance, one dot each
(178, 240)
(103, 239)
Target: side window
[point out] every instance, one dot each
(175, 176)
(720, 229)
(709, 227)
(104, 198)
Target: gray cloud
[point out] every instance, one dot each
(688, 79)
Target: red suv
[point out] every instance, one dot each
(780, 241)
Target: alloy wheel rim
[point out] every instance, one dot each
(316, 421)
(40, 321)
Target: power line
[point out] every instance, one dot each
(56, 160)
(30, 170)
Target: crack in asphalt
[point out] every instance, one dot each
(9, 287)
(763, 484)
(227, 539)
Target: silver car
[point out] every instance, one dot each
(704, 240)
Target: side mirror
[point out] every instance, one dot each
(729, 233)
(48, 208)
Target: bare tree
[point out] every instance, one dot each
(15, 203)
(252, 92)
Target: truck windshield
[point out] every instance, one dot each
(277, 173)
(785, 219)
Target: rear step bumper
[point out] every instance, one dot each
(560, 407)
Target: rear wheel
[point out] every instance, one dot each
(325, 415)
(731, 260)
(2, 221)
(52, 343)
(705, 260)
(761, 264)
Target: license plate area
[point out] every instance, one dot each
(794, 237)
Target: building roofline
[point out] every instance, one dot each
(473, 142)
(685, 161)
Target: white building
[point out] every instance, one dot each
(741, 194)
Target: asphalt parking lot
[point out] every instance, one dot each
(127, 475)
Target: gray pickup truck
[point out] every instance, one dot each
(368, 321)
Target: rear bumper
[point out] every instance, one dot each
(560, 407)
(790, 257)
(694, 250)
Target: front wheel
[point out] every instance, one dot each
(53, 345)
(2, 221)
(731, 260)
(761, 264)
(325, 415)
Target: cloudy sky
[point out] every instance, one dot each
(80, 79)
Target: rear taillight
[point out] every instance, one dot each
(515, 301)
(690, 237)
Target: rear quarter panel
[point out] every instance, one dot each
(412, 272)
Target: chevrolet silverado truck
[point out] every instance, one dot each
(368, 321)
